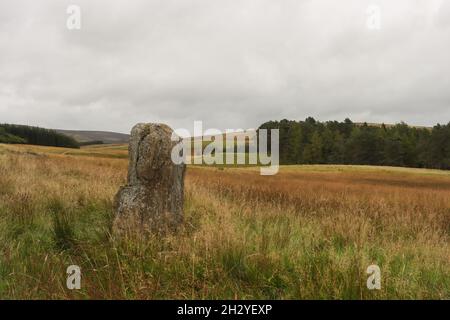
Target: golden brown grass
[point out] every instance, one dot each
(308, 232)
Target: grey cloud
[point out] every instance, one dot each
(229, 63)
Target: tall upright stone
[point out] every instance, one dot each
(152, 200)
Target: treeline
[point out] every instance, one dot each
(333, 142)
(12, 133)
(90, 143)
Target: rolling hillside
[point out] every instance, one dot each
(104, 136)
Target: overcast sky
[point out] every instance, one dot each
(231, 64)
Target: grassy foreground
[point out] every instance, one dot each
(309, 232)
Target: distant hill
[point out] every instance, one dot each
(103, 136)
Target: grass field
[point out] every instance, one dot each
(309, 232)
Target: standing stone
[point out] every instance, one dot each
(152, 200)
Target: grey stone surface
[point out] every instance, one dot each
(152, 200)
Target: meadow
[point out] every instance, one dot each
(309, 232)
